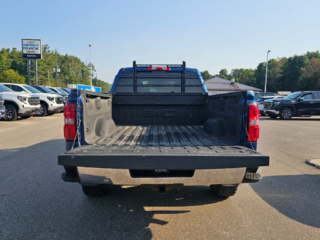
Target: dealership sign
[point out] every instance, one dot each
(31, 48)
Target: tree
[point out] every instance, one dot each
(245, 76)
(223, 73)
(11, 76)
(310, 75)
(291, 72)
(206, 75)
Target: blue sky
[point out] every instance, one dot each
(208, 35)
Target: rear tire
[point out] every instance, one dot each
(286, 113)
(223, 191)
(94, 191)
(43, 110)
(11, 113)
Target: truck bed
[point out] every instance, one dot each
(162, 146)
(160, 135)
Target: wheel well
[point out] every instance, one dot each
(292, 108)
(43, 102)
(12, 103)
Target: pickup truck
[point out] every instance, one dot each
(19, 104)
(49, 103)
(297, 104)
(159, 128)
(48, 90)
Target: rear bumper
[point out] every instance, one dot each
(55, 109)
(29, 111)
(2, 111)
(201, 177)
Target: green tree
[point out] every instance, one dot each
(310, 75)
(291, 72)
(223, 73)
(245, 76)
(11, 76)
(206, 75)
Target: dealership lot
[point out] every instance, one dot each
(36, 204)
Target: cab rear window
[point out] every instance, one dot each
(159, 82)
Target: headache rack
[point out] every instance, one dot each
(159, 67)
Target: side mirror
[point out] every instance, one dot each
(300, 99)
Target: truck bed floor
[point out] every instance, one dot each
(160, 135)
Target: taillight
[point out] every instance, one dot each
(254, 130)
(70, 121)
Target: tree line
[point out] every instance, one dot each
(297, 73)
(13, 68)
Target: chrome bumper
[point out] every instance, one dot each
(55, 109)
(29, 111)
(201, 177)
(272, 112)
(2, 111)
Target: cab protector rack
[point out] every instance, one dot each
(183, 72)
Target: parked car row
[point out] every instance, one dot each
(297, 104)
(20, 100)
(261, 100)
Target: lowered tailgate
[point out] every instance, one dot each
(162, 147)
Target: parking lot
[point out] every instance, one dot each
(36, 204)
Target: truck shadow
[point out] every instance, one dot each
(295, 196)
(133, 209)
(35, 202)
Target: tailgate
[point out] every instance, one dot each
(161, 157)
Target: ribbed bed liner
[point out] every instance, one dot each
(160, 135)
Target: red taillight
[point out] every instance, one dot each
(70, 121)
(159, 69)
(254, 130)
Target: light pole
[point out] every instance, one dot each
(265, 82)
(90, 66)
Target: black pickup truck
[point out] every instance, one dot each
(159, 128)
(297, 104)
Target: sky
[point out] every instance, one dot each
(208, 35)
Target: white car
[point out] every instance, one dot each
(50, 103)
(19, 104)
(2, 107)
(261, 101)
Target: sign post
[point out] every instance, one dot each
(32, 50)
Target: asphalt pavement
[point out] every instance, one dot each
(36, 204)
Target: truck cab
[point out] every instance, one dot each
(159, 128)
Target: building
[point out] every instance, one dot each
(219, 85)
